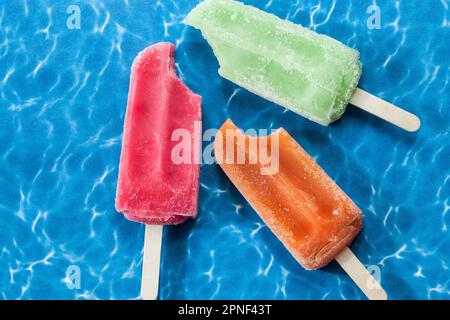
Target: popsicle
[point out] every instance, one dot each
(310, 74)
(299, 202)
(151, 188)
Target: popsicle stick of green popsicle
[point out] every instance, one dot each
(385, 110)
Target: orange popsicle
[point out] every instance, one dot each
(300, 203)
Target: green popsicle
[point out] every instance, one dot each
(308, 73)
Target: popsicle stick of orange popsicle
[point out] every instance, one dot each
(299, 202)
(359, 274)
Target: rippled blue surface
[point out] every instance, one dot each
(63, 98)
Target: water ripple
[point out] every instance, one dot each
(63, 96)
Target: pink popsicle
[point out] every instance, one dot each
(151, 188)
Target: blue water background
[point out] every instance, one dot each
(63, 99)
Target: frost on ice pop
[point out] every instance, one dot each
(152, 188)
(301, 204)
(310, 74)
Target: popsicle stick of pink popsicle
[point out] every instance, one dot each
(154, 188)
(151, 262)
(385, 110)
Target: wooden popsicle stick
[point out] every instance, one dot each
(151, 262)
(359, 274)
(385, 110)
